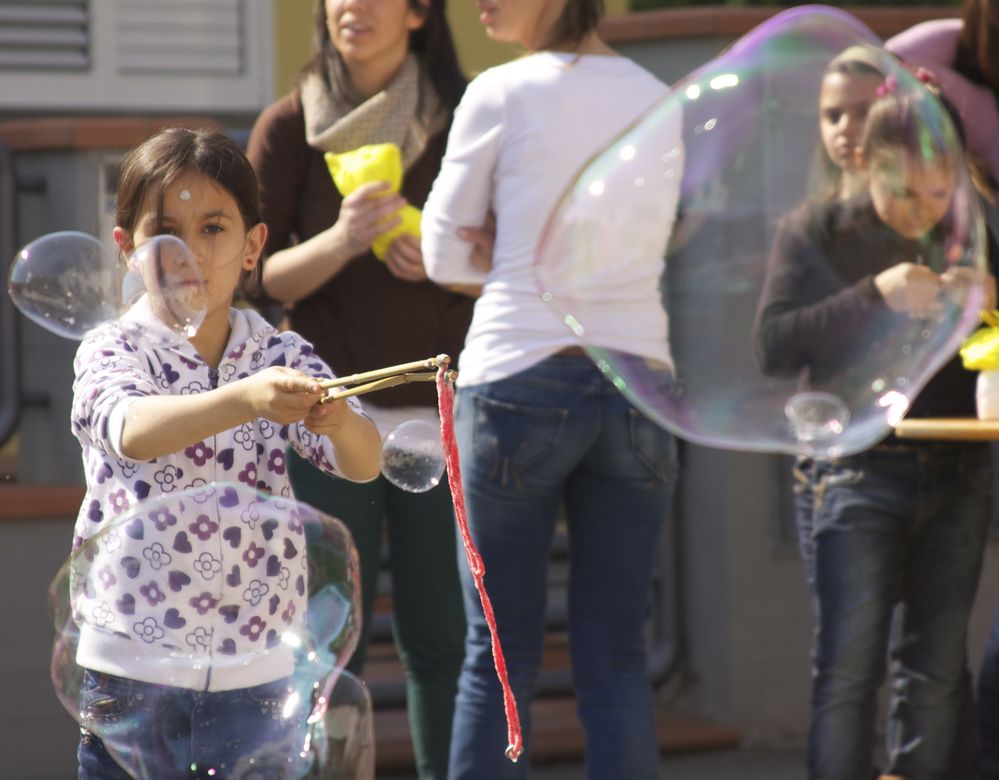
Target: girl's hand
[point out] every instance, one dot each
(404, 259)
(959, 280)
(365, 214)
(281, 395)
(909, 288)
(326, 419)
(482, 239)
(357, 445)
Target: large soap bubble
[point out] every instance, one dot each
(705, 265)
(204, 631)
(69, 283)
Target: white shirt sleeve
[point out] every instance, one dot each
(462, 194)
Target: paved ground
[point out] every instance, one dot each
(749, 764)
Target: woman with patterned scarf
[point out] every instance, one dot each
(384, 71)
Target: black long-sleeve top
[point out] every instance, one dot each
(820, 307)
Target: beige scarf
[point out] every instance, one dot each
(391, 116)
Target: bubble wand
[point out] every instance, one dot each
(436, 368)
(445, 401)
(381, 378)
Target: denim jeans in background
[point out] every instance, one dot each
(172, 733)
(560, 432)
(894, 531)
(428, 619)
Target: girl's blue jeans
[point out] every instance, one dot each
(172, 733)
(560, 433)
(893, 540)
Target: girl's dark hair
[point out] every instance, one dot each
(162, 159)
(155, 164)
(579, 18)
(977, 55)
(432, 44)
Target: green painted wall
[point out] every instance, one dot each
(292, 40)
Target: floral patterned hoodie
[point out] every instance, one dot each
(195, 592)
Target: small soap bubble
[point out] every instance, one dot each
(413, 456)
(70, 284)
(164, 293)
(816, 416)
(67, 282)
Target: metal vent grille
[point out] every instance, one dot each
(45, 35)
(180, 37)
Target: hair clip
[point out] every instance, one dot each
(926, 76)
(889, 87)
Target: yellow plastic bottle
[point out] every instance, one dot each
(376, 162)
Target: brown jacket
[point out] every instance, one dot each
(363, 318)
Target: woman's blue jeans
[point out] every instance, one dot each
(560, 433)
(894, 532)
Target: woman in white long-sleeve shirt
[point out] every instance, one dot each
(537, 423)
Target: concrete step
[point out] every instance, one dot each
(557, 733)
(557, 736)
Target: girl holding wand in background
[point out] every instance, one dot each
(963, 55)
(901, 525)
(222, 406)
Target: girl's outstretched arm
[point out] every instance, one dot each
(158, 425)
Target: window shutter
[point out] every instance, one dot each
(136, 55)
(45, 35)
(180, 37)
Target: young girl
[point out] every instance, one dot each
(900, 528)
(849, 86)
(382, 71)
(221, 407)
(963, 54)
(536, 421)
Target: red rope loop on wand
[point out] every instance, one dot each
(445, 403)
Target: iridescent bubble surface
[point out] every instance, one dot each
(662, 254)
(208, 628)
(350, 731)
(67, 282)
(413, 456)
(164, 293)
